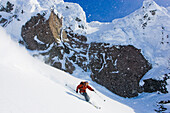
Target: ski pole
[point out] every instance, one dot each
(70, 87)
(100, 96)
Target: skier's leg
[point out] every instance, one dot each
(87, 98)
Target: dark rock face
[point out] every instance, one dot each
(118, 68)
(153, 85)
(45, 36)
(9, 8)
(37, 29)
(39, 33)
(161, 106)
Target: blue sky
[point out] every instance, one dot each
(108, 10)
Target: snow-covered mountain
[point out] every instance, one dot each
(147, 29)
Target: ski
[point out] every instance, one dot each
(97, 107)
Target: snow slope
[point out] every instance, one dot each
(29, 86)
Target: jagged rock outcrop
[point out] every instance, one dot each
(46, 36)
(153, 85)
(118, 68)
(161, 106)
(38, 33)
(4, 21)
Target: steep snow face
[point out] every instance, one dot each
(29, 86)
(147, 29)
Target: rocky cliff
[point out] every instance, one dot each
(118, 68)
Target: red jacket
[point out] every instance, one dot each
(82, 88)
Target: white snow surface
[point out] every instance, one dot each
(27, 85)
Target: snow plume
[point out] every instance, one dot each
(30, 86)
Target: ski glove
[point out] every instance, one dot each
(76, 91)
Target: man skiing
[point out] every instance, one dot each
(82, 87)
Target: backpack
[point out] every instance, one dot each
(82, 83)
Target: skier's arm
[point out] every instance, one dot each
(91, 89)
(77, 88)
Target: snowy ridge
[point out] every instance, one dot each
(73, 17)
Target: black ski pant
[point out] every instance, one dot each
(87, 98)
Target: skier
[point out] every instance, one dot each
(82, 87)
